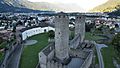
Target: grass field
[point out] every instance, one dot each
(29, 57)
(108, 55)
(89, 36)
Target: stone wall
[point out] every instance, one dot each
(82, 32)
(42, 60)
(88, 61)
(46, 55)
(78, 53)
(80, 26)
(61, 37)
(52, 64)
(75, 42)
(77, 25)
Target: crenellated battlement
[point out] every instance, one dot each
(78, 17)
(81, 17)
(53, 64)
(61, 17)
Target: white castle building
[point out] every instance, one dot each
(35, 31)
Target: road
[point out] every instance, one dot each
(100, 58)
(14, 59)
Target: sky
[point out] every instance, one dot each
(85, 4)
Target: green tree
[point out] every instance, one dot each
(51, 34)
(117, 12)
(116, 44)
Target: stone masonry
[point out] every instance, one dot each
(62, 37)
(80, 27)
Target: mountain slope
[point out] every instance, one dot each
(39, 5)
(50, 6)
(13, 6)
(107, 7)
(116, 12)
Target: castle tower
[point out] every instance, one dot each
(61, 36)
(80, 27)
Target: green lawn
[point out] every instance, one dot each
(108, 55)
(89, 36)
(29, 57)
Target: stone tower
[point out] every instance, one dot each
(80, 27)
(61, 36)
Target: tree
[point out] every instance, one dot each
(51, 34)
(1, 40)
(116, 12)
(116, 44)
(88, 26)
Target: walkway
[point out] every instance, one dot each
(30, 42)
(100, 58)
(14, 59)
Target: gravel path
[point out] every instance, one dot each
(30, 42)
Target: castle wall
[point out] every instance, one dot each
(42, 60)
(75, 42)
(52, 64)
(88, 61)
(82, 32)
(61, 37)
(62, 49)
(80, 27)
(77, 25)
(46, 55)
(51, 55)
(78, 53)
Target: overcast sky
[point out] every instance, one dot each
(86, 4)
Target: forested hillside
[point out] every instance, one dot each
(109, 6)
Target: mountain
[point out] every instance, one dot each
(109, 6)
(14, 6)
(18, 5)
(51, 6)
(116, 12)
